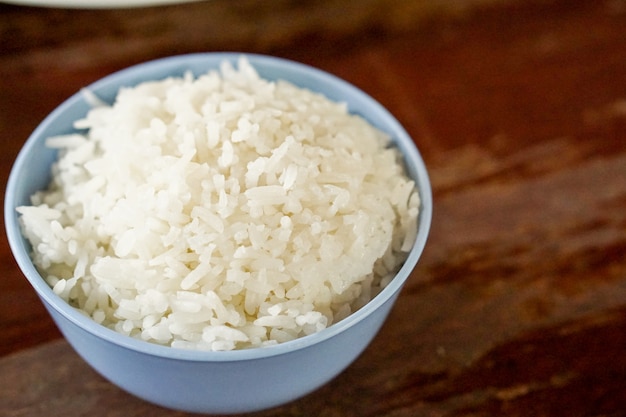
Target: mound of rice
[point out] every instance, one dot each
(221, 212)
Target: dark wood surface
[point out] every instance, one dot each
(518, 305)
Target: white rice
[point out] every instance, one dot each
(221, 212)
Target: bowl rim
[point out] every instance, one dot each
(213, 59)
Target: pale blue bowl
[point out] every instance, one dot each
(212, 382)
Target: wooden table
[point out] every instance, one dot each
(518, 305)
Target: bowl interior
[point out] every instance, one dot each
(30, 173)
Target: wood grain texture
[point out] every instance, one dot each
(518, 305)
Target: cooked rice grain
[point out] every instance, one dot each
(221, 212)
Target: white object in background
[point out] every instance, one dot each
(96, 4)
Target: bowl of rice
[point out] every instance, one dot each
(218, 232)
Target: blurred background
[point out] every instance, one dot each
(68, 47)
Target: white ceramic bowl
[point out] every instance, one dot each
(212, 382)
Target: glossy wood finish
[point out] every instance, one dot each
(518, 306)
